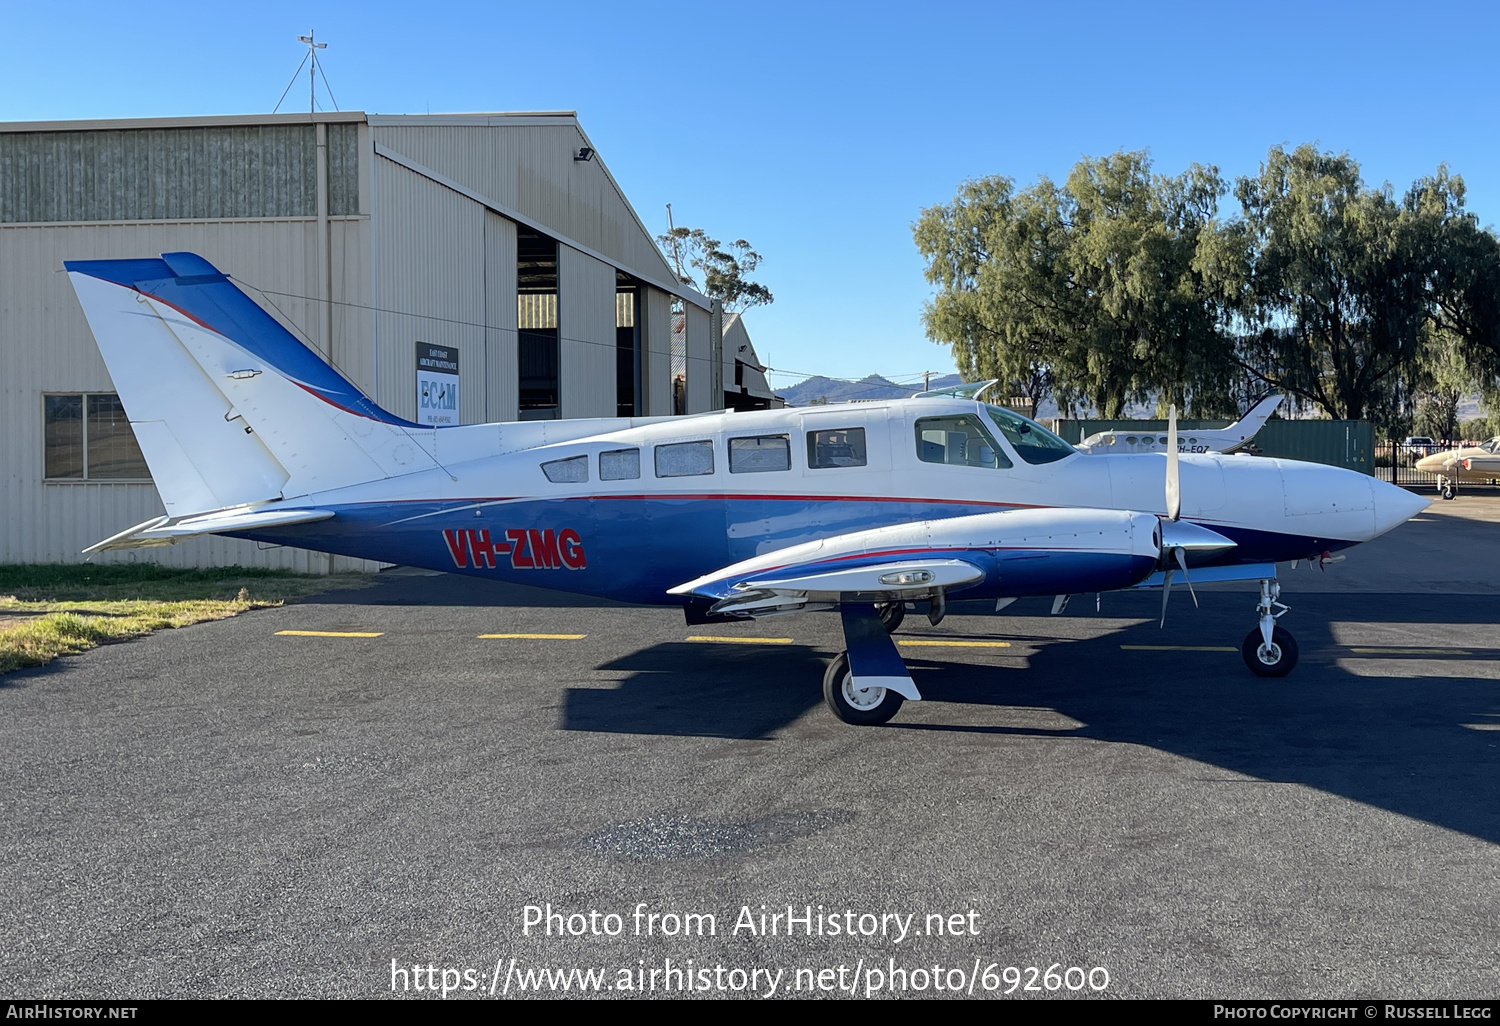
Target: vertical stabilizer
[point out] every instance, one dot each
(229, 408)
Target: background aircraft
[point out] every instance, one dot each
(860, 507)
(1467, 463)
(1221, 440)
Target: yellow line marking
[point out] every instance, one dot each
(333, 634)
(1178, 648)
(743, 641)
(1411, 651)
(539, 637)
(953, 644)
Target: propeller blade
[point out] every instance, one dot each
(1166, 590)
(1174, 495)
(1180, 554)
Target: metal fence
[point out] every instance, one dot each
(1396, 462)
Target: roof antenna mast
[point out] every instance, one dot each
(312, 51)
(315, 68)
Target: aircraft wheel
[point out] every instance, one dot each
(1449, 491)
(891, 614)
(863, 707)
(1275, 662)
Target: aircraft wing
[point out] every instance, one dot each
(170, 531)
(1021, 551)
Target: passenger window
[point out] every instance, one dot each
(841, 447)
(620, 465)
(1131, 440)
(760, 454)
(685, 459)
(958, 441)
(569, 471)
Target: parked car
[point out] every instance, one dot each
(1421, 445)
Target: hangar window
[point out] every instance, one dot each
(88, 438)
(685, 459)
(628, 347)
(620, 465)
(760, 454)
(536, 321)
(958, 441)
(841, 447)
(573, 470)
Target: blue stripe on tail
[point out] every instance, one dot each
(197, 288)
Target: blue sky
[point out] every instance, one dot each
(819, 131)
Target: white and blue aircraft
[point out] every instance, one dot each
(863, 508)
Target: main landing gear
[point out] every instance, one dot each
(862, 706)
(1269, 650)
(867, 683)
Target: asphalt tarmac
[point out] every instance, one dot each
(229, 810)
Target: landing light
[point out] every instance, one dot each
(906, 577)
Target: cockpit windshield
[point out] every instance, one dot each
(1492, 445)
(1032, 442)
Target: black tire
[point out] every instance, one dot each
(1285, 653)
(891, 614)
(864, 708)
(1449, 493)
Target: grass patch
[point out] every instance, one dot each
(48, 610)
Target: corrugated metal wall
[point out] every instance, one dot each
(658, 345)
(503, 394)
(431, 286)
(527, 164)
(146, 174)
(586, 330)
(700, 369)
(46, 346)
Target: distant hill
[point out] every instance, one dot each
(834, 390)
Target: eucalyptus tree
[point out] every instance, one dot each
(1328, 281)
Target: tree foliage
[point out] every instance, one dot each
(1123, 285)
(724, 269)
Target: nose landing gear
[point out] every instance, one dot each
(1269, 650)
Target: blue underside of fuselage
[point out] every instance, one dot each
(634, 548)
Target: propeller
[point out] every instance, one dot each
(1176, 554)
(1174, 492)
(1179, 555)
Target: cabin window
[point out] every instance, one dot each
(841, 447)
(573, 470)
(620, 465)
(685, 459)
(1131, 439)
(1032, 442)
(959, 441)
(760, 454)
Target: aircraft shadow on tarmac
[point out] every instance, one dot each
(1419, 745)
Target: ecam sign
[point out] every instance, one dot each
(437, 384)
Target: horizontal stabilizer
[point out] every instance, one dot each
(166, 531)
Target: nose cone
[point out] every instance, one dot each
(1395, 506)
(1432, 464)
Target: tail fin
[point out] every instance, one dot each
(1247, 426)
(229, 407)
